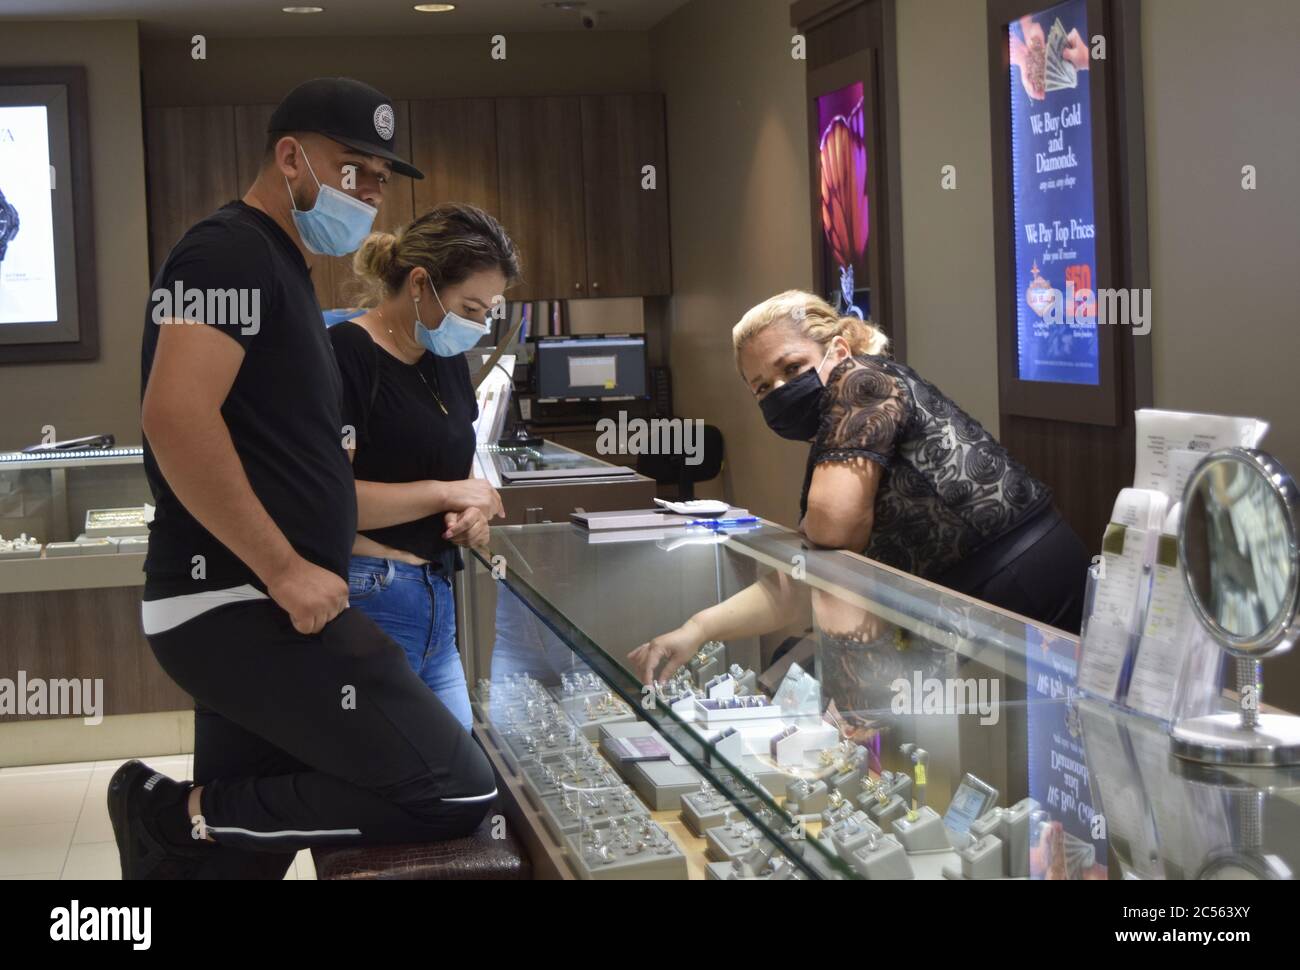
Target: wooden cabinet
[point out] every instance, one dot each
(564, 175)
(539, 158)
(454, 143)
(572, 172)
(190, 170)
(625, 177)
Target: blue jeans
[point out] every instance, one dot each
(414, 606)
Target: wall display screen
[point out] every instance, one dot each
(845, 206)
(1053, 226)
(28, 283)
(47, 263)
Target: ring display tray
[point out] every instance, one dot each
(629, 848)
(561, 812)
(725, 842)
(539, 785)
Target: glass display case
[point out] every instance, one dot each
(62, 513)
(860, 724)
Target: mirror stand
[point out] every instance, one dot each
(1245, 738)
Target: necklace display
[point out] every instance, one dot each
(436, 396)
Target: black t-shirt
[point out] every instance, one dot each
(404, 436)
(282, 410)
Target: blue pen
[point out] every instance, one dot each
(719, 523)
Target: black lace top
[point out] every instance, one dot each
(947, 487)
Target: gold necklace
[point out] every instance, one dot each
(416, 365)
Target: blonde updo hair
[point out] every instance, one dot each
(812, 317)
(450, 242)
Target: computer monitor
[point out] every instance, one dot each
(591, 368)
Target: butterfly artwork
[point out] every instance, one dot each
(845, 212)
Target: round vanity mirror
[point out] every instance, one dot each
(1238, 549)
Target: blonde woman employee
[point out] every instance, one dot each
(895, 471)
(410, 402)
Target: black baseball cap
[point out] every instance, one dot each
(350, 112)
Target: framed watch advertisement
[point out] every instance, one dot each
(47, 270)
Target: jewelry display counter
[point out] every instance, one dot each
(72, 548)
(890, 729)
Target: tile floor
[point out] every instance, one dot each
(54, 820)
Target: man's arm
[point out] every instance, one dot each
(193, 370)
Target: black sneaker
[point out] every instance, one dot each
(136, 796)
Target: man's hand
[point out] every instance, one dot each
(312, 596)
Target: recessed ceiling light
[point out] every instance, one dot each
(303, 9)
(435, 7)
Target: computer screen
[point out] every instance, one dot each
(591, 367)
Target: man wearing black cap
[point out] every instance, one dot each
(310, 727)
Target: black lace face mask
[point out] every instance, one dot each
(792, 410)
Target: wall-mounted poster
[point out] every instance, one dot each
(27, 272)
(842, 170)
(1054, 225)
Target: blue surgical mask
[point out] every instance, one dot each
(455, 334)
(336, 224)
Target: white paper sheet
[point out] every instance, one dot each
(1160, 433)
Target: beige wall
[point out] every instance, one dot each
(738, 169)
(101, 395)
(1222, 92)
(249, 70)
(948, 234)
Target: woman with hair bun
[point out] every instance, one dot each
(409, 404)
(896, 471)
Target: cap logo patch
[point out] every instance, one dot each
(384, 121)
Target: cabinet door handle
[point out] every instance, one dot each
(578, 287)
(595, 286)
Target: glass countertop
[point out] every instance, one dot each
(925, 691)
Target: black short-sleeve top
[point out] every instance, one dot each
(401, 433)
(947, 486)
(239, 272)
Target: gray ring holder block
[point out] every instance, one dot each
(980, 859)
(923, 834)
(885, 858)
